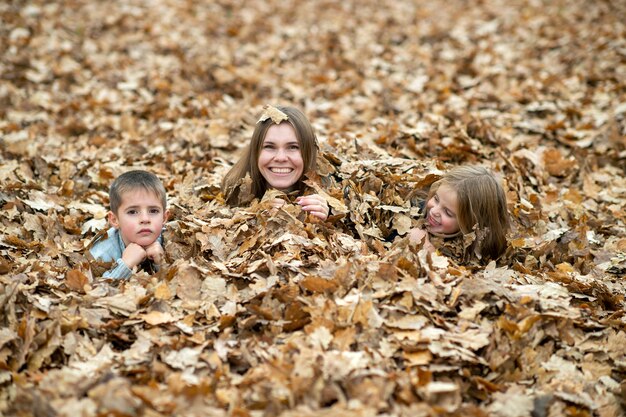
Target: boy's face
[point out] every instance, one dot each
(441, 211)
(139, 218)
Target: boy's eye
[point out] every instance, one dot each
(132, 211)
(155, 211)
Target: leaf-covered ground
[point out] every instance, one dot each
(266, 315)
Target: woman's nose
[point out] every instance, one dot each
(281, 154)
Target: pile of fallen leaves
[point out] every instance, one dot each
(259, 313)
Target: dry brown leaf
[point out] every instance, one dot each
(275, 313)
(76, 280)
(317, 284)
(163, 292)
(271, 112)
(154, 318)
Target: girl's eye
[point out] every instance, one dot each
(449, 213)
(436, 197)
(294, 147)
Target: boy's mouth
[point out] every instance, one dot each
(145, 232)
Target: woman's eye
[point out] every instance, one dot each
(436, 197)
(294, 147)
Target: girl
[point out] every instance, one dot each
(465, 215)
(283, 148)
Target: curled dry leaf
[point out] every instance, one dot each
(76, 280)
(271, 112)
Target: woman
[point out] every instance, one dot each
(282, 150)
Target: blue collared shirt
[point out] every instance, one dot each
(111, 249)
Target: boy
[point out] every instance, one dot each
(138, 212)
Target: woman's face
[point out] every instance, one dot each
(441, 211)
(280, 160)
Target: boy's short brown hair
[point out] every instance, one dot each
(133, 180)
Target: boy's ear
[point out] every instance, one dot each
(113, 220)
(166, 215)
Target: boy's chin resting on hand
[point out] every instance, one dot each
(133, 255)
(154, 252)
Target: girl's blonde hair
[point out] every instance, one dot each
(481, 208)
(248, 163)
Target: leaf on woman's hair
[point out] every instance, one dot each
(271, 112)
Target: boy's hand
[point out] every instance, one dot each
(155, 252)
(315, 204)
(133, 255)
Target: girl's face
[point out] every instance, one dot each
(280, 160)
(441, 211)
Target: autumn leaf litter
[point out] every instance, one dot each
(279, 314)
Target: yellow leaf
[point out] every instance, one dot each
(162, 292)
(155, 318)
(565, 267)
(423, 357)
